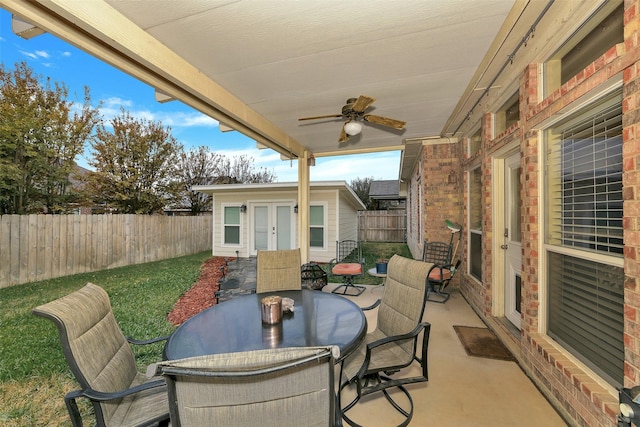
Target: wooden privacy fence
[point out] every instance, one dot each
(382, 226)
(39, 247)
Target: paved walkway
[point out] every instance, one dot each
(239, 279)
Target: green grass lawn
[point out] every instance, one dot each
(33, 373)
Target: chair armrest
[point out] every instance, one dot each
(386, 340)
(102, 396)
(72, 406)
(145, 342)
(372, 306)
(372, 345)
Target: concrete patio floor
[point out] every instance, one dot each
(462, 390)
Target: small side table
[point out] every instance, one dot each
(373, 272)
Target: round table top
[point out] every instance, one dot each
(319, 319)
(373, 272)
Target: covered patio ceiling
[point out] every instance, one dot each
(257, 66)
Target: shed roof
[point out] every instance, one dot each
(385, 189)
(340, 186)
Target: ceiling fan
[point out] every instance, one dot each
(354, 112)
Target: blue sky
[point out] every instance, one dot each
(48, 56)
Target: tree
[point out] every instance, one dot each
(361, 187)
(242, 169)
(202, 167)
(41, 134)
(134, 163)
(196, 167)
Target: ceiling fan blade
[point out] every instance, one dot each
(332, 116)
(343, 135)
(362, 103)
(385, 121)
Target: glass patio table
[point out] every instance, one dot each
(318, 319)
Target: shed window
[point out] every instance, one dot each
(317, 226)
(232, 225)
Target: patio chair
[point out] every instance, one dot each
(348, 264)
(274, 387)
(278, 271)
(102, 361)
(392, 345)
(439, 253)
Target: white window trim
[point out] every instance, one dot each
(325, 209)
(223, 224)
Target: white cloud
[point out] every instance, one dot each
(115, 101)
(38, 54)
(111, 108)
(342, 168)
(29, 54)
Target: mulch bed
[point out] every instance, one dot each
(201, 295)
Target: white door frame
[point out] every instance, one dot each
(271, 224)
(512, 245)
(501, 268)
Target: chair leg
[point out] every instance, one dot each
(442, 296)
(348, 285)
(408, 414)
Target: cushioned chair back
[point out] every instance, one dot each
(276, 387)
(93, 344)
(278, 271)
(404, 298)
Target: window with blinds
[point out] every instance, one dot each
(475, 223)
(585, 172)
(586, 314)
(584, 213)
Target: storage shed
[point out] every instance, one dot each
(252, 217)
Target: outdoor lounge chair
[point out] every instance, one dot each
(274, 387)
(392, 345)
(278, 271)
(439, 253)
(102, 361)
(348, 264)
(442, 255)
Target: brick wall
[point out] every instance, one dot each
(582, 398)
(442, 188)
(631, 196)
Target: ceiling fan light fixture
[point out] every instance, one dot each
(352, 128)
